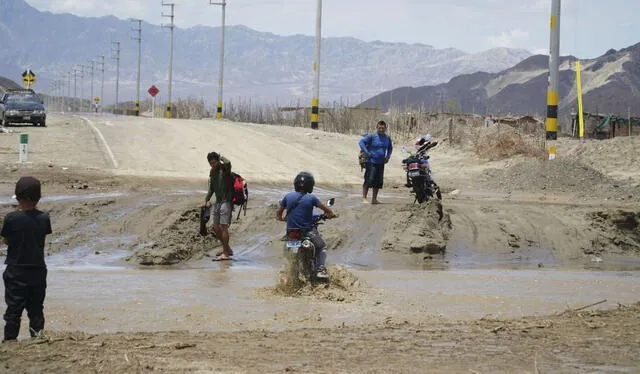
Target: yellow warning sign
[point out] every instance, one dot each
(96, 99)
(28, 78)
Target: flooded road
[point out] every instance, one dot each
(92, 289)
(230, 297)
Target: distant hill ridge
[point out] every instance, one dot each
(610, 84)
(260, 65)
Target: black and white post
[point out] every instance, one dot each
(221, 65)
(170, 26)
(315, 102)
(137, 29)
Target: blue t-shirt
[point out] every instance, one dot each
(379, 145)
(301, 217)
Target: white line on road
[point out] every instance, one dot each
(104, 141)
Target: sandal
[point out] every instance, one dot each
(222, 258)
(220, 253)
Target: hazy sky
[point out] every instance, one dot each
(589, 27)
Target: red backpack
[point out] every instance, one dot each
(240, 194)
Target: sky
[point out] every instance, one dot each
(588, 27)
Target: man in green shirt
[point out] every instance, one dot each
(220, 185)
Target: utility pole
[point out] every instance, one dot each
(552, 91)
(82, 86)
(171, 26)
(79, 70)
(115, 55)
(315, 103)
(75, 86)
(221, 66)
(138, 29)
(63, 99)
(69, 88)
(93, 67)
(101, 62)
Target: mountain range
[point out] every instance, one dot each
(260, 65)
(610, 84)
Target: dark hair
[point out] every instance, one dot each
(213, 156)
(383, 123)
(28, 189)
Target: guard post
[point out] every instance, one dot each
(24, 147)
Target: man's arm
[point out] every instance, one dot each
(363, 144)
(5, 231)
(327, 211)
(210, 192)
(279, 213)
(389, 149)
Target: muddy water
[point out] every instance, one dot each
(95, 291)
(229, 297)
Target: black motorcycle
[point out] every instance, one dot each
(301, 253)
(419, 174)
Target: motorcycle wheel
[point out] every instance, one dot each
(420, 191)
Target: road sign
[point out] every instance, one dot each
(153, 90)
(96, 99)
(28, 78)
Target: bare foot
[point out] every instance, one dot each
(365, 201)
(375, 202)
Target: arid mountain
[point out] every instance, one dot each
(263, 66)
(610, 83)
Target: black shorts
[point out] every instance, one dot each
(373, 175)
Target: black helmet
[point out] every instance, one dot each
(304, 182)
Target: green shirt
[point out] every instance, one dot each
(220, 182)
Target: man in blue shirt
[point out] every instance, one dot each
(299, 205)
(378, 148)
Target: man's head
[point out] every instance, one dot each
(28, 190)
(304, 182)
(213, 158)
(381, 127)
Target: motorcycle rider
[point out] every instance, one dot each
(299, 205)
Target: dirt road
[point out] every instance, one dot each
(417, 288)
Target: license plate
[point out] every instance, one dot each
(293, 243)
(414, 173)
(26, 118)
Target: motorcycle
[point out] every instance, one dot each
(301, 252)
(419, 177)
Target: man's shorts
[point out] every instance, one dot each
(222, 213)
(373, 175)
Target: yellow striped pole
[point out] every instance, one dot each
(580, 112)
(315, 103)
(551, 123)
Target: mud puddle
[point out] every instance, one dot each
(232, 297)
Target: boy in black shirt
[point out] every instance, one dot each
(25, 278)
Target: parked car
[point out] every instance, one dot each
(22, 106)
